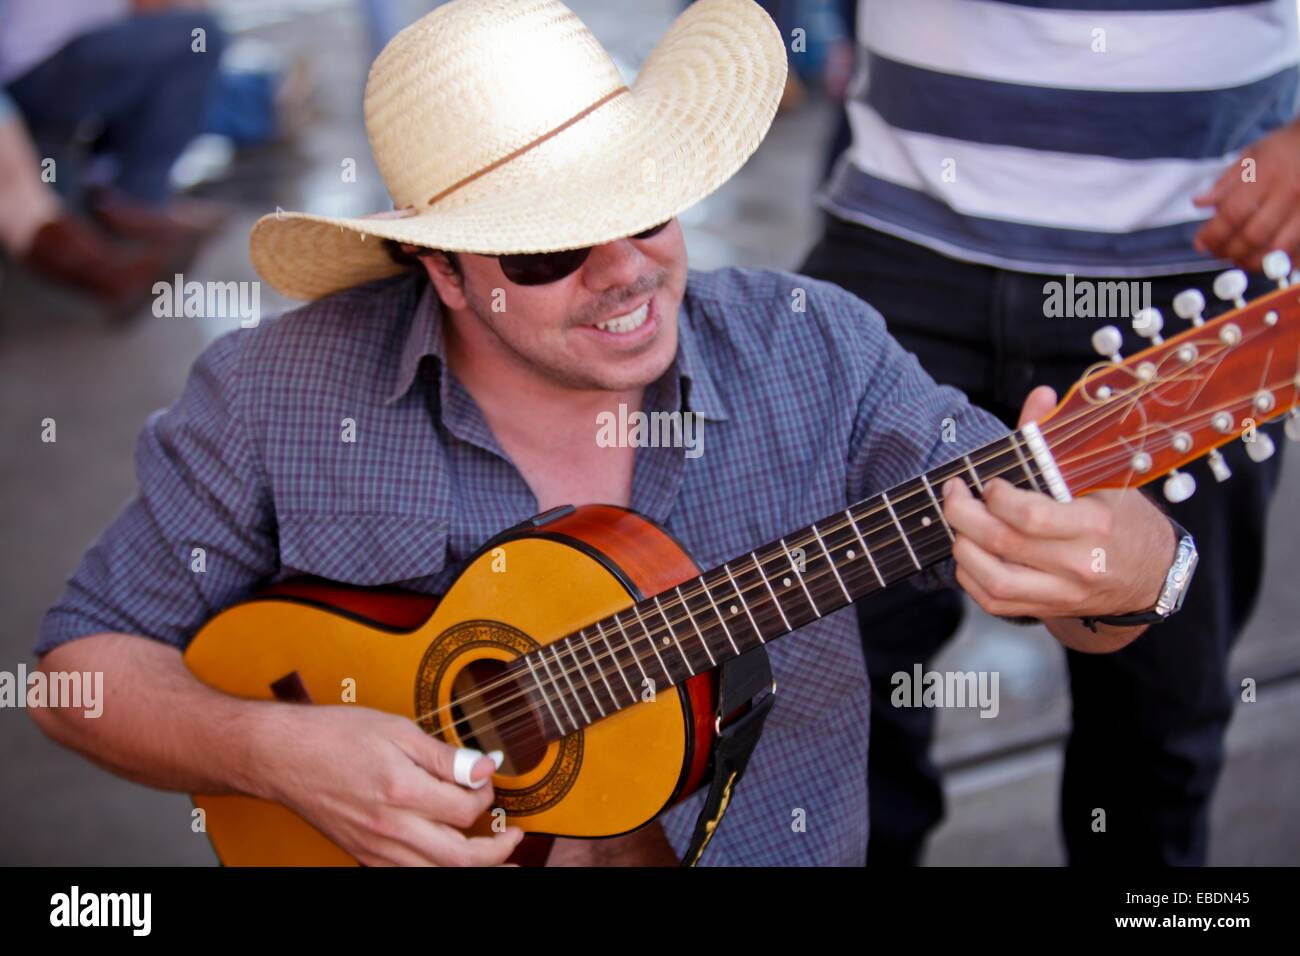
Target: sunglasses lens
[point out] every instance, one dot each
(653, 230)
(539, 268)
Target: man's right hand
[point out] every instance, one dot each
(379, 787)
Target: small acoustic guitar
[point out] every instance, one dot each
(591, 663)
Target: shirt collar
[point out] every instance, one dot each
(425, 339)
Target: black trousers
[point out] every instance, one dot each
(1146, 741)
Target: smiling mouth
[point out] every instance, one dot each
(622, 324)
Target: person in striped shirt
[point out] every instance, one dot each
(1001, 152)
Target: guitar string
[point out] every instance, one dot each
(602, 675)
(640, 660)
(760, 606)
(1094, 412)
(527, 717)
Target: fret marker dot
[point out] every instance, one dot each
(850, 554)
(734, 609)
(786, 582)
(665, 642)
(925, 521)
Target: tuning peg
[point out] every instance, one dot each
(1147, 323)
(1292, 426)
(1219, 466)
(1179, 486)
(1277, 266)
(1189, 304)
(1230, 285)
(1261, 449)
(1107, 341)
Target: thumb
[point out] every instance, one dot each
(440, 759)
(1039, 403)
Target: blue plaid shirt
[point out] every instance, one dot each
(804, 411)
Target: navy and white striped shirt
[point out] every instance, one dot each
(805, 412)
(1059, 135)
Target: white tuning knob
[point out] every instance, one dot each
(1219, 467)
(1147, 323)
(1179, 486)
(1292, 426)
(1277, 266)
(1107, 341)
(1189, 304)
(1230, 285)
(1261, 449)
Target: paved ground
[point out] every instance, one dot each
(57, 362)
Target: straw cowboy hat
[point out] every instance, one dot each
(506, 128)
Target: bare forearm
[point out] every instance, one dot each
(159, 726)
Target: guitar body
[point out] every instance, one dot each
(409, 654)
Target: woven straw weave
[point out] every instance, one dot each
(507, 128)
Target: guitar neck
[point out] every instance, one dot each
(765, 594)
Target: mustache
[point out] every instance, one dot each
(610, 301)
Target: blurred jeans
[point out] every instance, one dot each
(135, 89)
(1146, 743)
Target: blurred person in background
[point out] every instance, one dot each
(38, 232)
(124, 81)
(996, 148)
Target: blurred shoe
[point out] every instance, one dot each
(73, 253)
(181, 220)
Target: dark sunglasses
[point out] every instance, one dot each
(539, 268)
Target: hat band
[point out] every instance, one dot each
(529, 146)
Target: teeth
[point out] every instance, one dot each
(627, 323)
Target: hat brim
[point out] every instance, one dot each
(700, 106)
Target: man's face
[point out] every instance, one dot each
(611, 325)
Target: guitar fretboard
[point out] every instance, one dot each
(757, 597)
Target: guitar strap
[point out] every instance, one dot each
(745, 686)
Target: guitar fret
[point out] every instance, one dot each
(973, 473)
(585, 642)
(650, 637)
(721, 619)
(563, 702)
(635, 657)
(779, 610)
(545, 699)
(744, 604)
(938, 509)
(582, 672)
(831, 561)
(673, 634)
(617, 666)
(568, 680)
(799, 577)
(1025, 465)
(698, 633)
(865, 550)
(907, 544)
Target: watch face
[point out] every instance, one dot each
(1180, 575)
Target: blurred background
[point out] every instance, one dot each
(283, 128)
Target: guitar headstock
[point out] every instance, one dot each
(1131, 420)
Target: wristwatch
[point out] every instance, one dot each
(1171, 595)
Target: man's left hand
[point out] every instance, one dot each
(1023, 554)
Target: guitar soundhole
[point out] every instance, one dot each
(493, 712)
